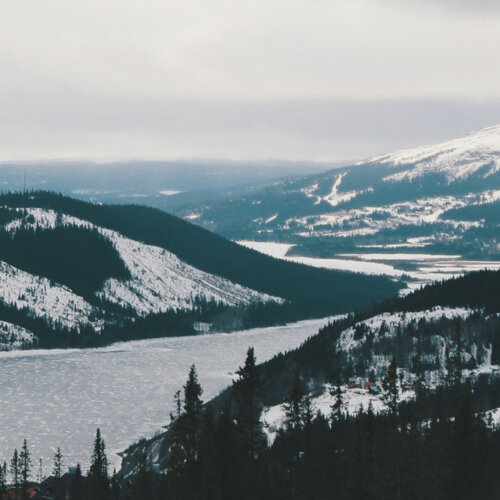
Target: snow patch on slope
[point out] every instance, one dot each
(161, 281)
(44, 299)
(347, 341)
(354, 400)
(14, 337)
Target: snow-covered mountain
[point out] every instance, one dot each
(459, 159)
(420, 197)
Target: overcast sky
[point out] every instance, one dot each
(258, 79)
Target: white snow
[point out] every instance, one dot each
(428, 267)
(277, 250)
(14, 337)
(335, 197)
(400, 256)
(55, 303)
(161, 281)
(169, 192)
(347, 342)
(456, 159)
(355, 400)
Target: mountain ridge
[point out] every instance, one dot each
(176, 274)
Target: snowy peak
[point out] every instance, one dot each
(456, 159)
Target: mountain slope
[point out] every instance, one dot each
(402, 199)
(155, 268)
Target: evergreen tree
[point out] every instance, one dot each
(25, 468)
(57, 472)
(184, 450)
(390, 385)
(192, 407)
(246, 393)
(3, 480)
(15, 472)
(58, 464)
(337, 405)
(294, 405)
(98, 483)
(76, 489)
(115, 488)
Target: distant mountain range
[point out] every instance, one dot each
(73, 273)
(444, 198)
(160, 184)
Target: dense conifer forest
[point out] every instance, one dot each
(78, 257)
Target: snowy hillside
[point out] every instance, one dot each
(159, 282)
(458, 159)
(364, 343)
(409, 199)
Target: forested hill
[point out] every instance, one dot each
(342, 291)
(475, 290)
(73, 273)
(412, 357)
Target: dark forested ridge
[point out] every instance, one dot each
(475, 290)
(211, 253)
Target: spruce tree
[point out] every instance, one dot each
(337, 405)
(58, 464)
(248, 407)
(15, 472)
(25, 468)
(390, 385)
(184, 450)
(192, 413)
(57, 472)
(3, 480)
(98, 472)
(294, 405)
(76, 489)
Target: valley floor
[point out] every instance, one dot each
(416, 269)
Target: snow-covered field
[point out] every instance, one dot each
(354, 400)
(427, 267)
(58, 398)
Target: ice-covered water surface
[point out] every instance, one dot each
(59, 398)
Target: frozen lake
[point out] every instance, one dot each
(59, 398)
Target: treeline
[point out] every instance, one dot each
(21, 478)
(479, 289)
(124, 325)
(78, 257)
